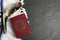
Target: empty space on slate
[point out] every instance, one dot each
(44, 17)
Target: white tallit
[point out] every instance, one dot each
(10, 34)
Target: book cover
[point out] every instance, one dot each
(20, 26)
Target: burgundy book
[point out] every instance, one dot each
(20, 26)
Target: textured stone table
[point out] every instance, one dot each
(44, 16)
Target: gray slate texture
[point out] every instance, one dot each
(44, 17)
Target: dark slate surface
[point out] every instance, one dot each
(44, 17)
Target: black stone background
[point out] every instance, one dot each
(44, 17)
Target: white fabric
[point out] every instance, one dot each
(10, 34)
(7, 2)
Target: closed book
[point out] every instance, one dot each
(20, 26)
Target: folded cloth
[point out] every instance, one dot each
(10, 34)
(8, 2)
